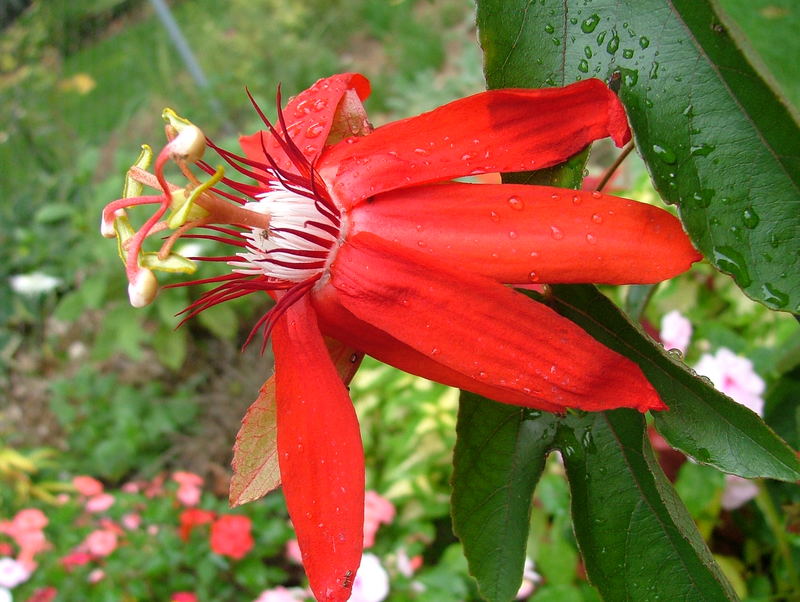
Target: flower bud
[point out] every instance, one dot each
(189, 144)
(142, 288)
(107, 227)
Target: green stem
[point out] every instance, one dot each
(767, 507)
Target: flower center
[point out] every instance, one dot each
(303, 228)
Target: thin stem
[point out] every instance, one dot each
(614, 166)
(767, 507)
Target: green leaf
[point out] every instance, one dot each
(636, 538)
(701, 422)
(499, 456)
(718, 141)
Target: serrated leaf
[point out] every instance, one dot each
(717, 139)
(499, 456)
(255, 453)
(637, 540)
(701, 421)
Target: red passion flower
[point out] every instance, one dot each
(368, 244)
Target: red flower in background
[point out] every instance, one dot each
(191, 518)
(363, 236)
(230, 536)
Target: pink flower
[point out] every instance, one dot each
(76, 558)
(230, 536)
(43, 594)
(101, 542)
(131, 487)
(282, 594)
(530, 579)
(377, 510)
(189, 487)
(676, 331)
(96, 576)
(371, 583)
(99, 503)
(183, 597)
(12, 573)
(131, 521)
(187, 478)
(87, 486)
(738, 491)
(734, 376)
(30, 519)
(293, 551)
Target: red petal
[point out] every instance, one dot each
(522, 234)
(498, 130)
(320, 454)
(309, 117)
(337, 322)
(485, 331)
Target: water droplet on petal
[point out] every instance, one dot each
(597, 218)
(495, 217)
(591, 239)
(556, 233)
(516, 203)
(512, 235)
(576, 199)
(596, 194)
(422, 151)
(320, 104)
(533, 277)
(314, 130)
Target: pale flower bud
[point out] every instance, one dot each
(189, 144)
(143, 288)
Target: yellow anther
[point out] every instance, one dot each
(184, 209)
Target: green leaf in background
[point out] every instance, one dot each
(499, 456)
(701, 422)
(636, 538)
(718, 141)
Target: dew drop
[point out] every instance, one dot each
(703, 197)
(589, 24)
(583, 66)
(729, 260)
(601, 38)
(591, 239)
(613, 44)
(512, 235)
(654, 70)
(556, 233)
(314, 130)
(494, 216)
(516, 203)
(420, 243)
(420, 227)
(628, 53)
(750, 218)
(549, 28)
(587, 52)
(422, 151)
(643, 42)
(533, 277)
(576, 199)
(774, 297)
(665, 154)
(467, 156)
(597, 218)
(482, 374)
(555, 196)
(320, 104)
(702, 150)
(596, 194)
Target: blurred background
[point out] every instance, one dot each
(92, 387)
